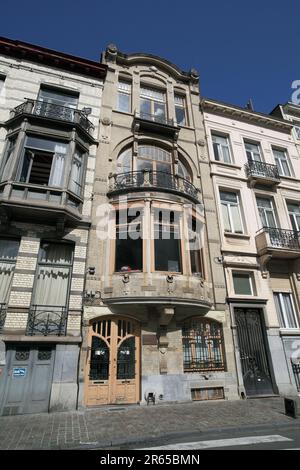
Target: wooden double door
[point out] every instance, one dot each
(113, 362)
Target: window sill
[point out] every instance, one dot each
(289, 331)
(243, 236)
(126, 113)
(229, 165)
(289, 178)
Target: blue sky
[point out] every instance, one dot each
(242, 49)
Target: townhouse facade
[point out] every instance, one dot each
(156, 327)
(255, 169)
(49, 115)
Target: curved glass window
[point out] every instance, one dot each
(183, 171)
(203, 345)
(124, 163)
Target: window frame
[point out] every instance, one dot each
(279, 160)
(215, 133)
(272, 209)
(282, 315)
(229, 211)
(121, 91)
(292, 215)
(256, 143)
(250, 275)
(181, 106)
(153, 100)
(172, 225)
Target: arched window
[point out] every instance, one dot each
(154, 158)
(124, 162)
(183, 171)
(203, 345)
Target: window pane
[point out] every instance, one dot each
(58, 97)
(8, 249)
(180, 115)
(263, 202)
(217, 149)
(123, 102)
(128, 252)
(167, 251)
(228, 197)
(25, 166)
(145, 107)
(242, 284)
(159, 111)
(226, 154)
(56, 253)
(75, 183)
(226, 220)
(236, 219)
(279, 310)
(290, 314)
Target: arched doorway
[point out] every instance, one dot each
(113, 362)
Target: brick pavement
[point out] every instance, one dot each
(101, 427)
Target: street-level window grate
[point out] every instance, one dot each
(296, 370)
(212, 393)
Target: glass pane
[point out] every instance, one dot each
(123, 102)
(226, 154)
(264, 203)
(25, 166)
(58, 97)
(271, 222)
(44, 144)
(180, 116)
(285, 168)
(279, 310)
(226, 220)
(159, 111)
(56, 253)
(167, 251)
(51, 286)
(228, 197)
(216, 151)
(129, 252)
(236, 219)
(8, 249)
(242, 284)
(145, 107)
(290, 314)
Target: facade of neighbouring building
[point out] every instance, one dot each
(255, 169)
(48, 148)
(156, 325)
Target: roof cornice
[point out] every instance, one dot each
(244, 114)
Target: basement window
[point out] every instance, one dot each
(43, 162)
(213, 393)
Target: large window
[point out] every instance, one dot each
(196, 250)
(286, 310)
(129, 242)
(153, 104)
(203, 345)
(167, 241)
(124, 96)
(266, 212)
(53, 275)
(8, 254)
(180, 110)
(253, 152)
(294, 213)
(243, 283)
(231, 212)
(56, 104)
(43, 162)
(221, 147)
(282, 163)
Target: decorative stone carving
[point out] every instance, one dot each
(111, 52)
(106, 121)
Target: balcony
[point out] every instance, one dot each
(2, 315)
(147, 180)
(278, 243)
(155, 123)
(262, 173)
(47, 320)
(55, 112)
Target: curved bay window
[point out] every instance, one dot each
(203, 345)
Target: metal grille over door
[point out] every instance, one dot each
(113, 362)
(253, 355)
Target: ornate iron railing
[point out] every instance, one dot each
(54, 111)
(2, 315)
(155, 118)
(47, 320)
(202, 366)
(257, 168)
(283, 238)
(152, 179)
(296, 370)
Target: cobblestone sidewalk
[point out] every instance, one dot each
(107, 426)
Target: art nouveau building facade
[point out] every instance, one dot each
(156, 325)
(48, 148)
(255, 169)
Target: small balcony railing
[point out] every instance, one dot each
(54, 111)
(202, 366)
(47, 320)
(257, 169)
(148, 179)
(159, 119)
(282, 238)
(2, 315)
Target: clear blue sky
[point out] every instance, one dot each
(242, 49)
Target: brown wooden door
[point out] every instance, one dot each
(113, 367)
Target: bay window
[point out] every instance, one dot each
(167, 241)
(129, 242)
(43, 162)
(286, 311)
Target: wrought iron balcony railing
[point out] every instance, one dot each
(160, 119)
(2, 315)
(47, 320)
(283, 238)
(146, 179)
(53, 111)
(202, 366)
(261, 169)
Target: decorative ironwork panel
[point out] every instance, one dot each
(47, 320)
(283, 238)
(2, 315)
(22, 354)
(257, 168)
(253, 355)
(203, 345)
(44, 354)
(99, 363)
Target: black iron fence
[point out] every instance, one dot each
(47, 320)
(266, 170)
(155, 179)
(283, 238)
(54, 111)
(2, 315)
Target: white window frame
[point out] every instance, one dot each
(251, 281)
(279, 160)
(180, 102)
(126, 89)
(292, 215)
(297, 131)
(230, 217)
(246, 141)
(220, 147)
(283, 310)
(272, 209)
